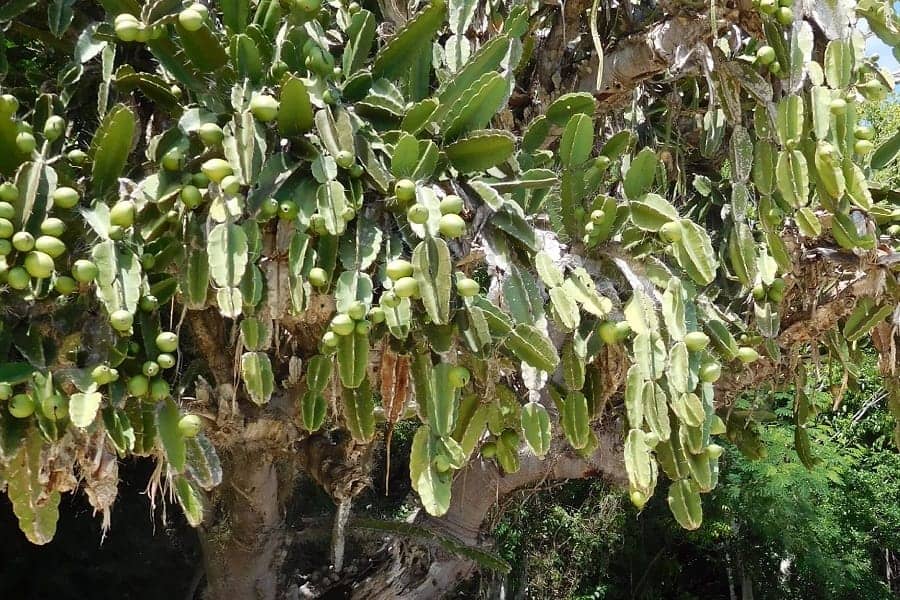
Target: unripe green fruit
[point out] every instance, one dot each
(190, 19)
(342, 324)
(389, 300)
(489, 450)
(9, 104)
(864, 132)
(264, 107)
(607, 332)
(6, 228)
(775, 68)
(55, 407)
(127, 30)
(269, 209)
(65, 285)
(167, 341)
(23, 241)
(602, 162)
(200, 8)
(150, 368)
(747, 355)
(121, 320)
(451, 204)
(347, 214)
(405, 190)
(49, 245)
(417, 214)
(356, 171)
(671, 232)
(784, 15)
(165, 360)
(467, 287)
(452, 226)
(200, 180)
(863, 147)
(406, 287)
(18, 278)
(696, 341)
(21, 406)
(191, 196)
(399, 268)
(376, 315)
(308, 6)
(122, 213)
(84, 271)
(710, 372)
(6, 247)
(102, 374)
(7, 211)
(210, 134)
(216, 169)
(172, 160)
(765, 55)
(159, 389)
(54, 127)
(288, 210)
(623, 330)
(441, 463)
(5, 391)
(759, 292)
(458, 377)
(344, 159)
(77, 157)
(231, 185)
(638, 498)
(778, 285)
(189, 425)
(25, 142)
(597, 216)
(362, 328)
(53, 226)
(148, 303)
(357, 311)
(714, 451)
(138, 385)
(65, 197)
(838, 106)
(329, 339)
(318, 277)
(116, 232)
(9, 192)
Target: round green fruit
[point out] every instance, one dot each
(747, 354)
(864, 132)
(55, 407)
(7, 210)
(39, 264)
(264, 107)
(308, 6)
(216, 169)
(9, 192)
(6, 228)
(54, 127)
(347, 214)
(116, 232)
(8, 104)
(23, 241)
(759, 292)
(6, 247)
(102, 374)
(607, 332)
(139, 385)
(165, 360)
(25, 142)
(458, 377)
(765, 55)
(189, 425)
(269, 208)
(330, 339)
(389, 300)
(696, 341)
(18, 278)
(363, 328)
(167, 341)
(405, 190)
(623, 330)
(671, 232)
(21, 406)
(126, 27)
(191, 196)
(53, 226)
(121, 320)
(148, 303)
(451, 205)
(231, 185)
(150, 368)
(342, 324)
(345, 159)
(452, 226)
(65, 285)
(210, 134)
(190, 19)
(122, 214)
(597, 216)
(602, 162)
(838, 106)
(376, 315)
(467, 287)
(863, 147)
(318, 277)
(65, 197)
(52, 246)
(288, 210)
(710, 372)
(398, 268)
(173, 160)
(77, 157)
(357, 311)
(159, 389)
(84, 271)
(6, 391)
(406, 287)
(784, 15)
(638, 498)
(417, 214)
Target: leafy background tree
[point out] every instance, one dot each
(364, 273)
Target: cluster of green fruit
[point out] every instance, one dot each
(450, 225)
(23, 404)
(773, 292)
(24, 257)
(780, 9)
(765, 57)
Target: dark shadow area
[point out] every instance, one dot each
(142, 558)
